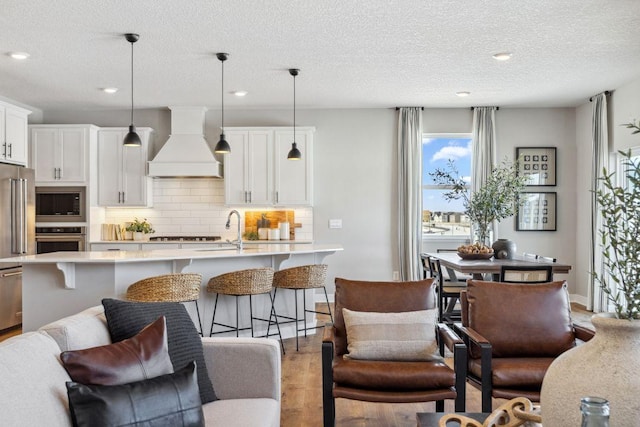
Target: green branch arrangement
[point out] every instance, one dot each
(620, 237)
(496, 200)
(138, 226)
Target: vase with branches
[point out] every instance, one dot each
(496, 200)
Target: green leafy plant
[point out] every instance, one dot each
(140, 226)
(496, 200)
(620, 237)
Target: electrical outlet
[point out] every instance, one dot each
(335, 223)
(396, 276)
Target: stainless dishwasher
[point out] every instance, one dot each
(10, 297)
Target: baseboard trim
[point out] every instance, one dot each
(578, 299)
(319, 297)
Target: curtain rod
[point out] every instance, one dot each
(472, 108)
(606, 92)
(397, 108)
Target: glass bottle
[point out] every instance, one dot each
(595, 412)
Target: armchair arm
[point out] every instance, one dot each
(582, 333)
(243, 367)
(328, 352)
(486, 382)
(454, 343)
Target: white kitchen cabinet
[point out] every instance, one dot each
(13, 134)
(60, 153)
(122, 171)
(257, 172)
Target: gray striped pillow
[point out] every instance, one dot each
(406, 336)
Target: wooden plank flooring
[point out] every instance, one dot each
(302, 389)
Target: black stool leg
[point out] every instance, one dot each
(304, 302)
(326, 297)
(213, 320)
(199, 320)
(237, 317)
(251, 314)
(275, 316)
(296, 315)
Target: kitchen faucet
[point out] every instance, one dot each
(228, 225)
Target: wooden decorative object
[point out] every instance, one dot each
(513, 413)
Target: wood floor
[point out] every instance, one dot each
(302, 389)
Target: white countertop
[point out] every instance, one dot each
(203, 242)
(110, 257)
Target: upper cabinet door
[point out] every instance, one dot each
(135, 182)
(73, 154)
(15, 136)
(236, 175)
(259, 167)
(293, 178)
(44, 152)
(109, 161)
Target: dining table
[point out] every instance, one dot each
(490, 268)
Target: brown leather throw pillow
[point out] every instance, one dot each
(140, 357)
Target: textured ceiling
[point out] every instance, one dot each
(352, 53)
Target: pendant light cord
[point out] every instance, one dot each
(294, 108)
(222, 96)
(132, 83)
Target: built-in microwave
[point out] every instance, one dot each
(60, 204)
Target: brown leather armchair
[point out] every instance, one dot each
(513, 332)
(388, 381)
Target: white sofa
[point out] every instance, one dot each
(245, 372)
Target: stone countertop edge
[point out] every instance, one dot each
(111, 257)
(201, 242)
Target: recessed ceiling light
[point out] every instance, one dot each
(502, 56)
(19, 55)
(240, 92)
(110, 90)
(463, 94)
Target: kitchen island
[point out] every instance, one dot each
(59, 284)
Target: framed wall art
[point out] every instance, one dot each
(537, 211)
(538, 164)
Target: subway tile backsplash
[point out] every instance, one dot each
(195, 206)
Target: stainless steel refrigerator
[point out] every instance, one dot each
(17, 237)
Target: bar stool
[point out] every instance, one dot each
(249, 282)
(177, 287)
(302, 278)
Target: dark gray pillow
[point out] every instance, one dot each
(166, 400)
(126, 319)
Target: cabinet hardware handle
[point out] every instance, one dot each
(10, 150)
(277, 197)
(17, 273)
(250, 197)
(123, 198)
(4, 150)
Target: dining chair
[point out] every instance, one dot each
(451, 275)
(448, 293)
(529, 274)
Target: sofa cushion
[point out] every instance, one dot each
(515, 372)
(82, 330)
(532, 320)
(257, 412)
(166, 400)
(140, 357)
(126, 318)
(32, 382)
(406, 336)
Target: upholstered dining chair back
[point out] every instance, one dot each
(381, 297)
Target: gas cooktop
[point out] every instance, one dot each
(184, 238)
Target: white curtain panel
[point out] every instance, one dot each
(596, 299)
(410, 192)
(483, 149)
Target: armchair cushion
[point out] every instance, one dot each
(514, 372)
(407, 336)
(392, 376)
(531, 321)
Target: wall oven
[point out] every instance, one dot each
(54, 239)
(60, 204)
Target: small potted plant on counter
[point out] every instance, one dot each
(140, 229)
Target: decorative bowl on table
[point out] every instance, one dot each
(475, 256)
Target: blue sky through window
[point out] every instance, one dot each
(436, 152)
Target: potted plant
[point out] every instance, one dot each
(139, 228)
(611, 357)
(496, 200)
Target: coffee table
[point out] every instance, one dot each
(431, 419)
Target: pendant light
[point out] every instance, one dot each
(294, 153)
(222, 146)
(132, 139)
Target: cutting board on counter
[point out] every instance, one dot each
(251, 219)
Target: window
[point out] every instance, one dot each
(439, 216)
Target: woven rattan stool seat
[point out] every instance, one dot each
(179, 287)
(303, 277)
(244, 282)
(300, 279)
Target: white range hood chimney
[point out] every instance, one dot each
(186, 152)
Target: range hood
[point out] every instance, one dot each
(186, 153)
